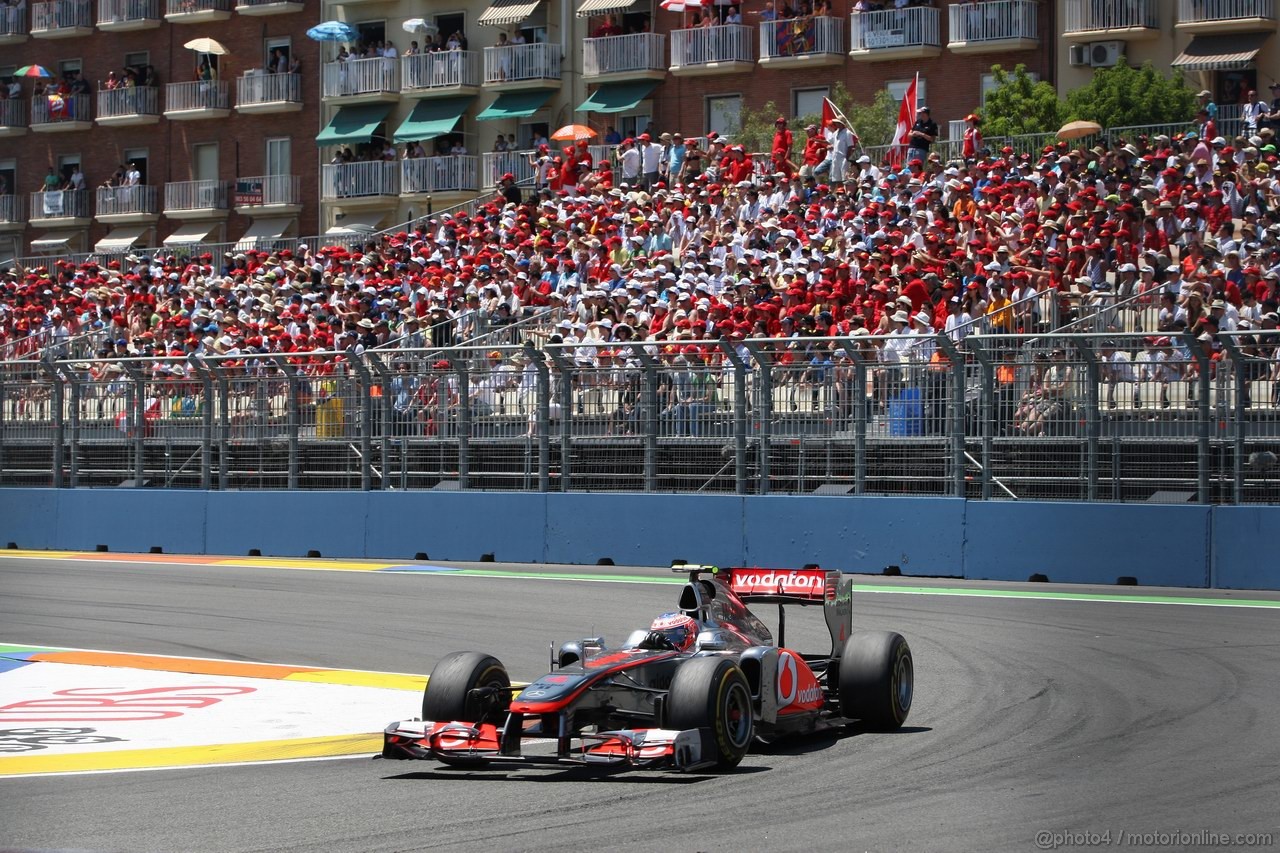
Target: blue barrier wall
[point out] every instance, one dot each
(1191, 546)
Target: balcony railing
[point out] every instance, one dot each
(359, 180)
(60, 15)
(516, 62)
(453, 173)
(708, 45)
(195, 195)
(1207, 11)
(446, 69)
(12, 209)
(361, 77)
(623, 54)
(60, 204)
(196, 96)
(267, 190)
(495, 164)
(1083, 16)
(122, 201)
(51, 109)
(135, 101)
(127, 11)
(13, 21)
(178, 8)
(255, 89)
(14, 113)
(795, 37)
(995, 20)
(894, 28)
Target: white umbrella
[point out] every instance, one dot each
(420, 25)
(207, 45)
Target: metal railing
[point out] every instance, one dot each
(892, 28)
(117, 201)
(57, 109)
(254, 89)
(994, 20)
(14, 113)
(131, 101)
(361, 77)
(196, 96)
(14, 21)
(12, 208)
(448, 69)
(1072, 417)
(708, 45)
(801, 37)
(495, 164)
(623, 54)
(195, 195)
(356, 180)
(60, 15)
(452, 173)
(196, 7)
(516, 62)
(125, 11)
(1204, 11)
(275, 189)
(1093, 15)
(59, 204)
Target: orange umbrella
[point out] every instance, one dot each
(573, 132)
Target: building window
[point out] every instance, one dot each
(68, 163)
(8, 177)
(989, 84)
(278, 152)
(276, 54)
(67, 66)
(898, 91)
(724, 114)
(137, 59)
(808, 102)
(204, 161)
(137, 157)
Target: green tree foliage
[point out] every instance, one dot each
(873, 122)
(1122, 96)
(1019, 104)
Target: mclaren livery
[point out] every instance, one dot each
(692, 692)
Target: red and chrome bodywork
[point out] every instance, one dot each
(605, 706)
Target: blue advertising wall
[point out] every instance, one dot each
(1189, 546)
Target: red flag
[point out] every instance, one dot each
(902, 133)
(831, 111)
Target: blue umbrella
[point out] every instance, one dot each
(332, 31)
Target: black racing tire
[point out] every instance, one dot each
(877, 679)
(446, 696)
(712, 693)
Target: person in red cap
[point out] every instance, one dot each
(972, 137)
(782, 141)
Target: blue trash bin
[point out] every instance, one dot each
(906, 413)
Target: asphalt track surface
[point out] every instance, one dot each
(1030, 715)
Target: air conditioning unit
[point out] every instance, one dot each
(1105, 54)
(1078, 55)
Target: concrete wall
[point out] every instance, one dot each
(1189, 546)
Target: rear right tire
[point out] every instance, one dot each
(877, 679)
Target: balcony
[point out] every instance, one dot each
(354, 185)
(911, 33)
(362, 81)
(13, 215)
(712, 50)
(641, 56)
(267, 194)
(196, 11)
(809, 41)
(268, 7)
(198, 100)
(120, 16)
(456, 173)
(268, 93)
(60, 209)
(495, 164)
(13, 26)
(61, 19)
(125, 107)
(123, 205)
(1133, 20)
(449, 72)
(993, 27)
(196, 200)
(14, 116)
(1226, 16)
(522, 66)
(55, 114)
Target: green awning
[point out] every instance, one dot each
(515, 105)
(353, 124)
(432, 117)
(617, 97)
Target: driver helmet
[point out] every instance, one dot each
(680, 630)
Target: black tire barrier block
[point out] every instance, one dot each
(605, 561)
(893, 571)
(1126, 580)
(675, 563)
(101, 548)
(313, 554)
(811, 566)
(255, 552)
(1038, 578)
(486, 558)
(156, 549)
(421, 555)
(12, 546)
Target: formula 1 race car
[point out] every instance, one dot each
(690, 693)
